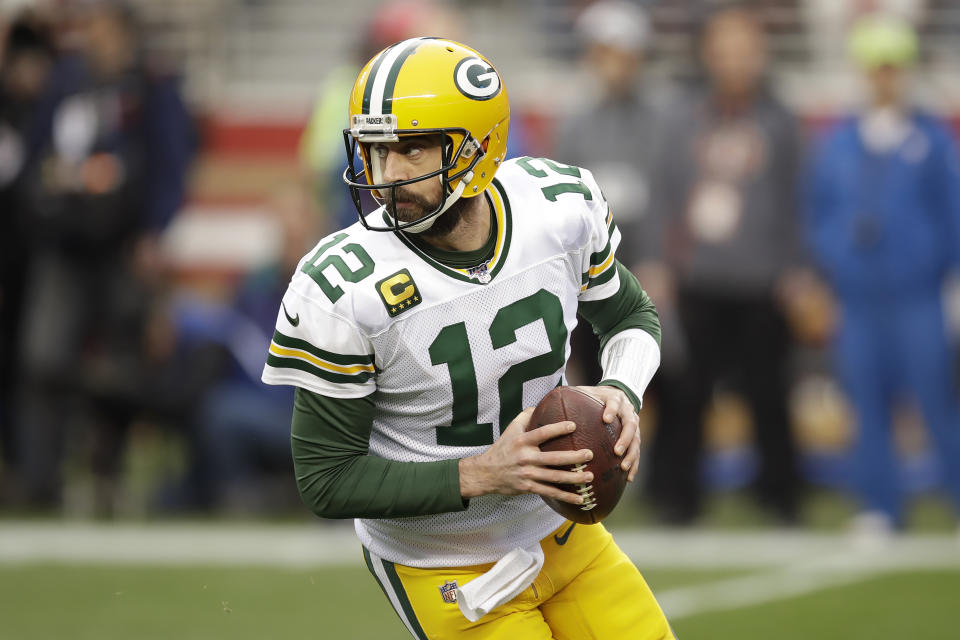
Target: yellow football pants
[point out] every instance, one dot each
(588, 588)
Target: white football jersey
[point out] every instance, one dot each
(452, 355)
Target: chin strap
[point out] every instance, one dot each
(420, 227)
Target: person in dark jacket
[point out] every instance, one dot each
(27, 57)
(109, 152)
(724, 205)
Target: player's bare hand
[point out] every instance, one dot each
(618, 405)
(514, 464)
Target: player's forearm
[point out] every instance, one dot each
(371, 487)
(337, 478)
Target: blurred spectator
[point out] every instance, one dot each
(829, 21)
(724, 201)
(108, 158)
(884, 221)
(613, 134)
(245, 434)
(26, 58)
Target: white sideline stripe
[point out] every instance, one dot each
(329, 544)
(807, 563)
(180, 544)
(746, 591)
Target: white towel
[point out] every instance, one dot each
(505, 580)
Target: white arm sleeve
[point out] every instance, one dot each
(631, 357)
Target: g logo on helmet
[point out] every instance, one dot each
(476, 79)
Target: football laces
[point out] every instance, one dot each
(585, 490)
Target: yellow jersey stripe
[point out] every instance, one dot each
(285, 352)
(600, 268)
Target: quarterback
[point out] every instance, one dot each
(420, 338)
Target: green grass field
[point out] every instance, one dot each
(253, 580)
(96, 602)
(919, 604)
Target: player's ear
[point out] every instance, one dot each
(485, 144)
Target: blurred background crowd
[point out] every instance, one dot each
(784, 173)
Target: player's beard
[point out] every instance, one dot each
(414, 206)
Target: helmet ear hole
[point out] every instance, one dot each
(485, 144)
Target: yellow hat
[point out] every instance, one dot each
(880, 40)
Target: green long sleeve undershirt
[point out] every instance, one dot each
(339, 478)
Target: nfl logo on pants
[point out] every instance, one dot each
(448, 591)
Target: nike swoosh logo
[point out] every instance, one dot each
(292, 320)
(562, 540)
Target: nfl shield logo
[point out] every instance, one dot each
(480, 272)
(448, 591)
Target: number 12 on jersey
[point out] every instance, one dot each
(550, 192)
(452, 348)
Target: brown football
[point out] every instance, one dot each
(609, 480)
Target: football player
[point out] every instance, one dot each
(420, 338)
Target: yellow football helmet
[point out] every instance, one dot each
(425, 86)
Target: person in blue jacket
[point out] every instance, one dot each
(883, 214)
